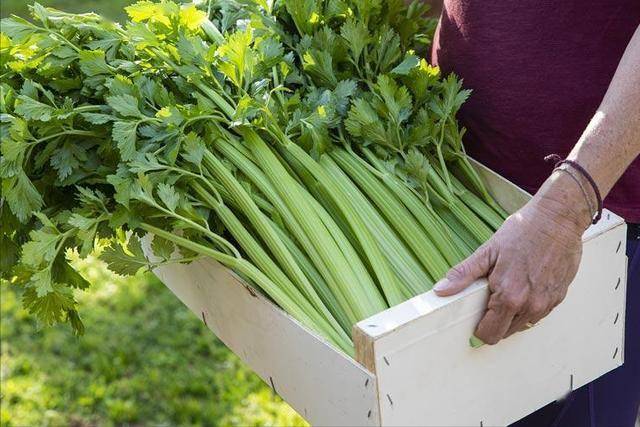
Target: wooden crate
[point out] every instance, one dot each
(414, 365)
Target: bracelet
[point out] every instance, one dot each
(579, 184)
(559, 162)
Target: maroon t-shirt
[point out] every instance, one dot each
(538, 70)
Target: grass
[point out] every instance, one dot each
(144, 360)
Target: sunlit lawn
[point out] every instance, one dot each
(145, 359)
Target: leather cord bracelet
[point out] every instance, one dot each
(572, 174)
(559, 161)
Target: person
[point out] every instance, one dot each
(551, 77)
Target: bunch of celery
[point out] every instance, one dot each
(302, 144)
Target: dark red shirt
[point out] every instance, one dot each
(538, 70)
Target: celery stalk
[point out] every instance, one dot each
(415, 279)
(398, 216)
(360, 302)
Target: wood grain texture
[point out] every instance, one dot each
(363, 343)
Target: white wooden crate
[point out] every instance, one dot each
(414, 365)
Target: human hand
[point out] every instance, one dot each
(529, 262)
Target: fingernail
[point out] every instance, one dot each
(441, 285)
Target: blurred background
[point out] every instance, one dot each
(145, 359)
(114, 9)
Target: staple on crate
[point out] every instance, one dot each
(204, 319)
(386, 360)
(251, 291)
(616, 319)
(618, 284)
(571, 382)
(390, 401)
(615, 353)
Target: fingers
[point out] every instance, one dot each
(505, 311)
(536, 310)
(494, 325)
(468, 271)
(520, 323)
(532, 310)
(534, 319)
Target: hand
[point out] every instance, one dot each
(529, 262)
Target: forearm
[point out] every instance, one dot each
(610, 142)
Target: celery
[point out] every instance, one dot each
(414, 278)
(402, 220)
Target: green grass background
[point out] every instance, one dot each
(114, 9)
(145, 358)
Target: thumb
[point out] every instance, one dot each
(464, 274)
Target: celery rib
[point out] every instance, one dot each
(401, 220)
(357, 301)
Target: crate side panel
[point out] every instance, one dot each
(325, 386)
(429, 375)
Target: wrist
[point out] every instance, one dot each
(564, 198)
